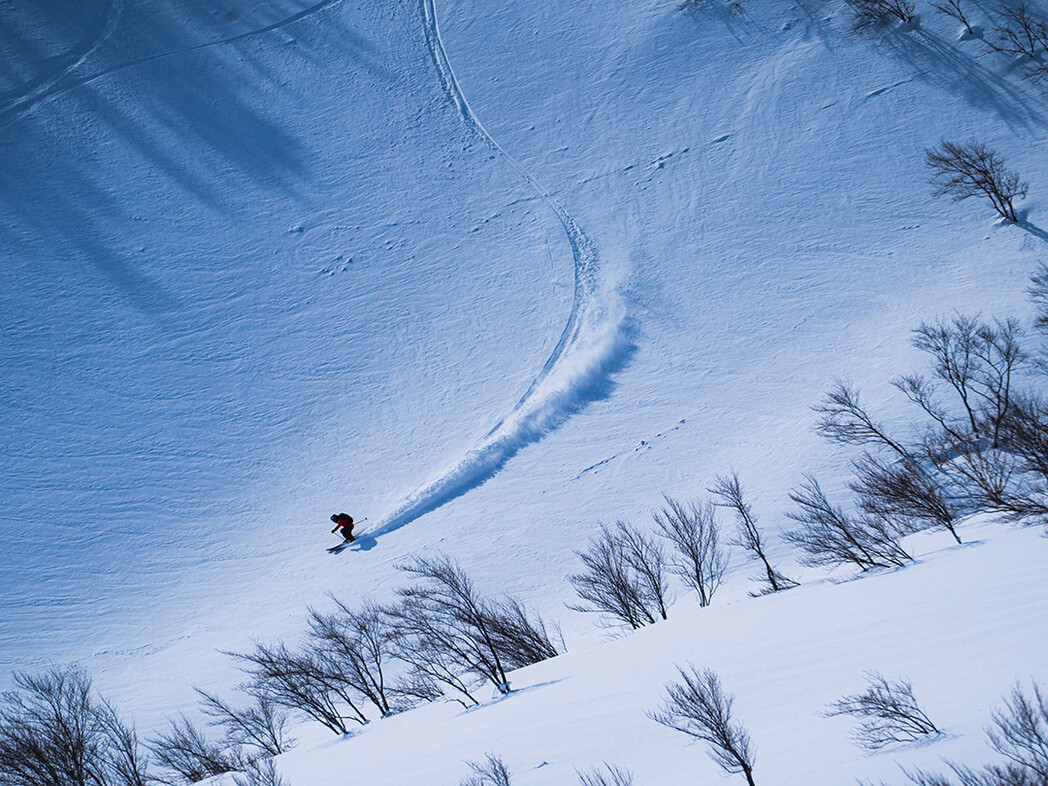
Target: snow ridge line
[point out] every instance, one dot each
(591, 346)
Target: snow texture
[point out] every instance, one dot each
(488, 274)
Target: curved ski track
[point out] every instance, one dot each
(592, 337)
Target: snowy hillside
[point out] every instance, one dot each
(487, 274)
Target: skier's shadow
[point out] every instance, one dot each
(365, 542)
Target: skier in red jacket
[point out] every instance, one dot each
(344, 522)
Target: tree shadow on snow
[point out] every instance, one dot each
(176, 94)
(939, 62)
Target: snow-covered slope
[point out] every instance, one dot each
(785, 657)
(485, 273)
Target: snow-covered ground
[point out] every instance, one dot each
(487, 273)
(786, 657)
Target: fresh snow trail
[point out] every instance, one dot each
(591, 347)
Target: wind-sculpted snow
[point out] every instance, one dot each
(592, 345)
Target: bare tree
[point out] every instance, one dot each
(127, 763)
(51, 731)
(844, 421)
(1038, 292)
(357, 645)
(624, 577)
(700, 559)
(698, 707)
(301, 682)
(971, 169)
(433, 672)
(520, 637)
(954, 10)
(1020, 33)
(979, 363)
(728, 490)
(185, 751)
(831, 538)
(903, 492)
(1015, 481)
(490, 772)
(446, 612)
(1020, 731)
(877, 15)
(261, 725)
(608, 775)
(261, 772)
(989, 775)
(1020, 734)
(887, 712)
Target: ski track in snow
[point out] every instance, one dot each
(592, 345)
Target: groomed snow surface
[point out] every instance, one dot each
(488, 274)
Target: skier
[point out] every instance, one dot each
(344, 522)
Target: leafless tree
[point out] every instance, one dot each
(433, 672)
(728, 490)
(261, 772)
(887, 713)
(444, 611)
(903, 492)
(989, 775)
(490, 772)
(1020, 33)
(971, 169)
(698, 707)
(520, 637)
(1020, 731)
(607, 775)
(55, 732)
(979, 363)
(127, 763)
(1020, 734)
(1038, 292)
(261, 725)
(829, 537)
(700, 560)
(954, 10)
(843, 420)
(356, 644)
(877, 15)
(302, 682)
(624, 577)
(185, 751)
(1014, 481)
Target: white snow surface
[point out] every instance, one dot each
(487, 274)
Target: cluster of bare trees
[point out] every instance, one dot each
(877, 15)
(443, 639)
(978, 445)
(625, 576)
(1021, 32)
(1018, 733)
(55, 730)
